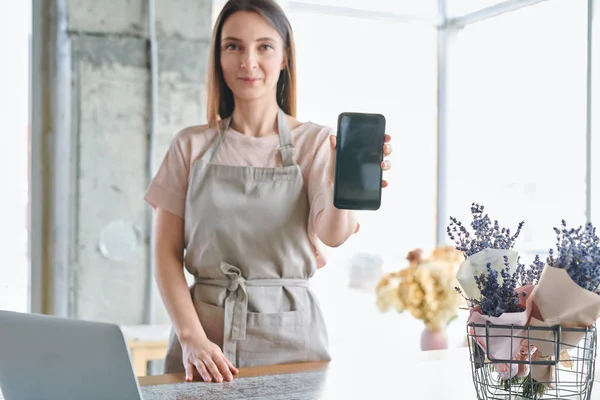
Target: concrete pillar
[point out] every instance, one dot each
(91, 257)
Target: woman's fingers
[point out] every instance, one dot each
(189, 372)
(233, 369)
(201, 368)
(213, 369)
(223, 368)
(387, 149)
(218, 370)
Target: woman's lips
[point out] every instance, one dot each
(249, 80)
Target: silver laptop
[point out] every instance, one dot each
(50, 358)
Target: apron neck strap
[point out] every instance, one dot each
(286, 148)
(222, 126)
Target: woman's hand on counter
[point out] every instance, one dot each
(206, 357)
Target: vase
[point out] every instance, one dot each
(433, 340)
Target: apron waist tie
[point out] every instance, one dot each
(236, 302)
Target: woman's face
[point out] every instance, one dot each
(252, 56)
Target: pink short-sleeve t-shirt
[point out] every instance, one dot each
(169, 187)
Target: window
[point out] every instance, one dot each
(455, 8)
(14, 103)
(422, 9)
(392, 71)
(516, 140)
(595, 111)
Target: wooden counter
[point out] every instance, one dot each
(243, 373)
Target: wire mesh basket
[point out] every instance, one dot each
(507, 363)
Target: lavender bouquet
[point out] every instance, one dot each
(578, 254)
(567, 293)
(562, 290)
(495, 284)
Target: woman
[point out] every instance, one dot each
(249, 198)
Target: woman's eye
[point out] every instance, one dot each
(266, 47)
(231, 46)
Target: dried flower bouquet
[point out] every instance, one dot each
(425, 288)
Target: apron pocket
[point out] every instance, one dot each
(274, 338)
(212, 319)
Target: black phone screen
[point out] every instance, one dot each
(359, 153)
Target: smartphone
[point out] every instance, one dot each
(359, 153)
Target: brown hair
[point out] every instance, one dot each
(219, 97)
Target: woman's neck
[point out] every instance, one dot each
(255, 118)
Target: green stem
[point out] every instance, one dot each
(533, 389)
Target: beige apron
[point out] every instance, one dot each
(248, 248)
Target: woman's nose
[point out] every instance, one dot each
(248, 60)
